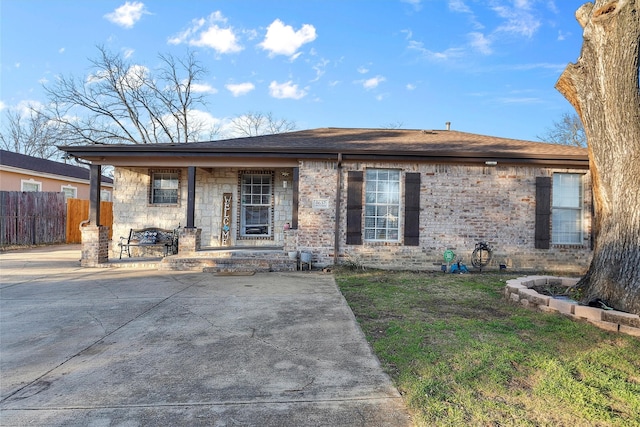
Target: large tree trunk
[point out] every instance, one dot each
(603, 87)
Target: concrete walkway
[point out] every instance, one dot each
(129, 347)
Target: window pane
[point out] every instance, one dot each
(382, 204)
(566, 223)
(256, 204)
(29, 186)
(567, 226)
(567, 190)
(164, 187)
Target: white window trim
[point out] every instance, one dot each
(70, 187)
(30, 181)
(243, 227)
(579, 209)
(152, 172)
(399, 205)
(105, 195)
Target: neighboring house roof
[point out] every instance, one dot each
(27, 164)
(349, 144)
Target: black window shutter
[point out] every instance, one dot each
(354, 208)
(412, 209)
(543, 212)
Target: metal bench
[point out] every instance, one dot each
(150, 237)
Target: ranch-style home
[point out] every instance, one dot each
(386, 198)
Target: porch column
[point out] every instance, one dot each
(95, 237)
(189, 239)
(191, 196)
(95, 181)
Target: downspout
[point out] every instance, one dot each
(336, 242)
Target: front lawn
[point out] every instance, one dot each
(461, 355)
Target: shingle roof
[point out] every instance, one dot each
(399, 140)
(36, 164)
(355, 143)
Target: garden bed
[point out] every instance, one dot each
(546, 294)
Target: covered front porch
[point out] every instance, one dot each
(230, 218)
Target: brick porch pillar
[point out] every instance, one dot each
(95, 245)
(189, 240)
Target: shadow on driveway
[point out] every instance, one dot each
(101, 346)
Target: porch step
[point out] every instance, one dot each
(230, 262)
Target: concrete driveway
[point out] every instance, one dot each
(128, 347)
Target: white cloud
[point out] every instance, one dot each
(286, 90)
(223, 40)
(480, 43)
(128, 14)
(282, 39)
(415, 3)
(2, 105)
(319, 68)
(17, 65)
(133, 77)
(128, 53)
(207, 125)
(240, 89)
(373, 82)
(61, 50)
(517, 100)
(203, 88)
(363, 70)
(449, 54)
(517, 19)
(459, 6)
(207, 33)
(411, 86)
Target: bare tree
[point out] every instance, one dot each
(27, 131)
(568, 131)
(254, 124)
(603, 87)
(121, 102)
(393, 125)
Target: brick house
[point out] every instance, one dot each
(384, 198)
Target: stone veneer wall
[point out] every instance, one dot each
(460, 205)
(131, 208)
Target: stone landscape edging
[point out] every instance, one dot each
(519, 291)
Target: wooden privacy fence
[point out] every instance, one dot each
(78, 211)
(32, 218)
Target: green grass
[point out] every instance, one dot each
(461, 355)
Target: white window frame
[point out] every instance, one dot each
(65, 188)
(256, 193)
(567, 207)
(105, 195)
(382, 195)
(28, 182)
(166, 178)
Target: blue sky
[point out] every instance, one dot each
(486, 66)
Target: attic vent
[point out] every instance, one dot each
(428, 132)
